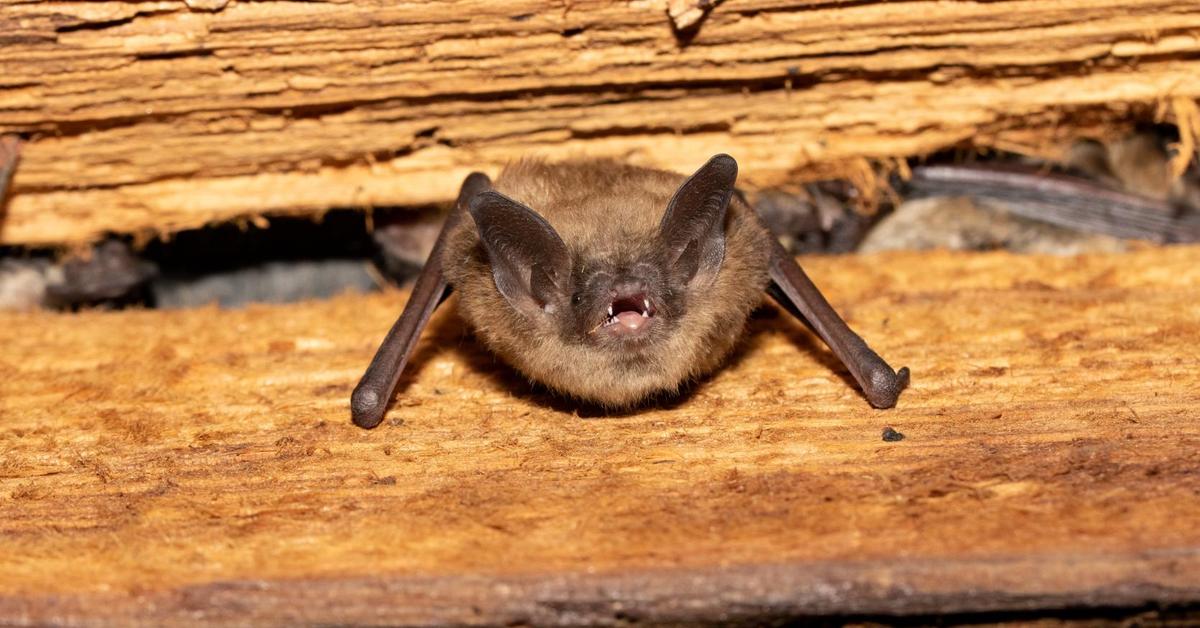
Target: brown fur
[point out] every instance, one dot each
(608, 210)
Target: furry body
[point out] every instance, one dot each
(608, 214)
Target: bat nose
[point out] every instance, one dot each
(627, 287)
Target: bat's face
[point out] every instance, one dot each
(628, 308)
(625, 298)
(614, 321)
(619, 305)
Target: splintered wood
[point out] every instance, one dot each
(160, 116)
(200, 466)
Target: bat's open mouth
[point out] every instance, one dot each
(629, 314)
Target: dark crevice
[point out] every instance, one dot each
(94, 26)
(1018, 612)
(105, 24)
(339, 233)
(812, 7)
(282, 259)
(1150, 614)
(174, 54)
(798, 7)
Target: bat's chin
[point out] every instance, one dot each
(629, 317)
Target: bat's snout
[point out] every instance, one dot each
(630, 312)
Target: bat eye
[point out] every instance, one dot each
(576, 298)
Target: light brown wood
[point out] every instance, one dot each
(159, 116)
(200, 466)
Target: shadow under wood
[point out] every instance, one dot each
(770, 318)
(447, 332)
(483, 362)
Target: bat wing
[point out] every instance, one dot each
(791, 287)
(370, 399)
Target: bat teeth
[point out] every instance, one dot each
(629, 311)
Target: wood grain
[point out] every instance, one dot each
(200, 467)
(159, 116)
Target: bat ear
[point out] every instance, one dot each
(693, 228)
(530, 263)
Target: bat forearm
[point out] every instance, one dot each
(791, 286)
(370, 399)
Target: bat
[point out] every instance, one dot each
(625, 283)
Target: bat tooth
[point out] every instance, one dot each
(646, 305)
(610, 313)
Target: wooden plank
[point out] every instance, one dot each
(159, 116)
(200, 467)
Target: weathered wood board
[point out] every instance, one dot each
(196, 467)
(166, 115)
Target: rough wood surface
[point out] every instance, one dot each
(200, 466)
(166, 115)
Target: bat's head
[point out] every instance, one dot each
(611, 321)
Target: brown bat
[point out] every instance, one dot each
(625, 283)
